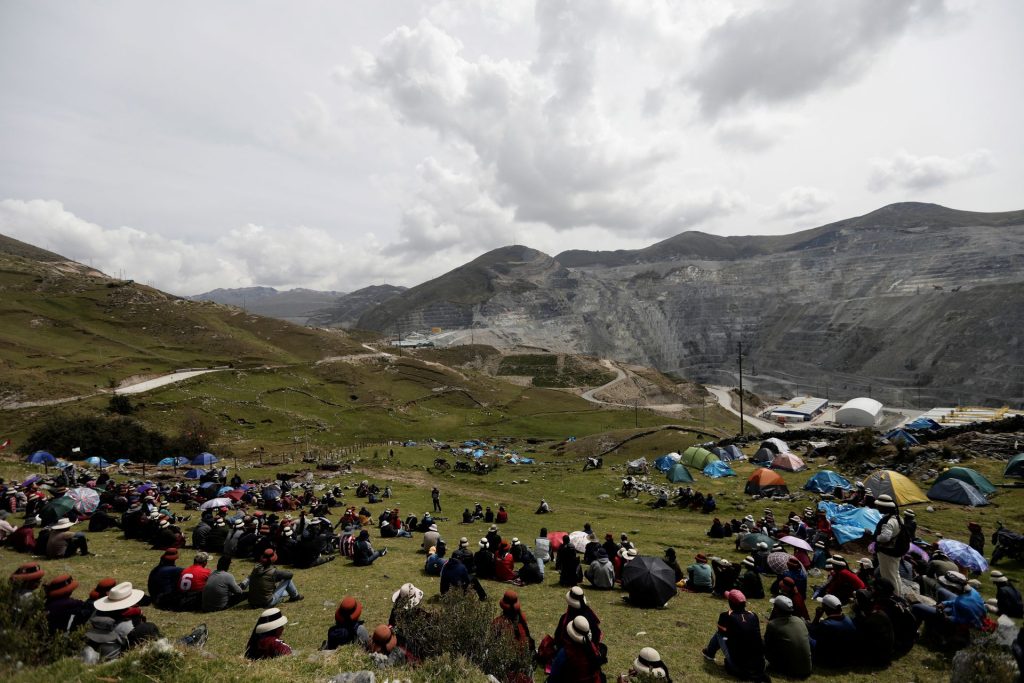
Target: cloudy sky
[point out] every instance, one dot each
(333, 145)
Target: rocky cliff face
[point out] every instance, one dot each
(914, 304)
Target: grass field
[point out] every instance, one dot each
(677, 631)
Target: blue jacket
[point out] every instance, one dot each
(454, 573)
(966, 608)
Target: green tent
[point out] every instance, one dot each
(967, 475)
(1015, 468)
(697, 457)
(678, 473)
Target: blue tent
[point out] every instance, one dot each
(194, 474)
(720, 452)
(897, 434)
(665, 462)
(826, 481)
(167, 462)
(922, 424)
(732, 452)
(204, 459)
(849, 522)
(123, 461)
(224, 489)
(717, 470)
(957, 491)
(41, 458)
(96, 461)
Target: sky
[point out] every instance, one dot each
(334, 145)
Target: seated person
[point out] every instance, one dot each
(601, 572)
(833, 635)
(700, 576)
(347, 629)
(502, 516)
(435, 559)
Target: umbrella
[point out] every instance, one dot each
(272, 492)
(55, 509)
(778, 561)
(750, 541)
(796, 542)
(194, 474)
(579, 541)
(205, 459)
(649, 581)
(235, 494)
(85, 500)
(41, 458)
(31, 480)
(964, 555)
(145, 487)
(914, 550)
(224, 489)
(216, 503)
(556, 540)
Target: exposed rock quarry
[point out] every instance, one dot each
(913, 304)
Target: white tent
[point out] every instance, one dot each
(859, 412)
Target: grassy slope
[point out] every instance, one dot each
(678, 631)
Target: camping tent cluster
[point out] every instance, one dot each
(962, 486)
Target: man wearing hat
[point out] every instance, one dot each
(649, 665)
(483, 560)
(430, 538)
(26, 580)
(63, 612)
(265, 641)
(23, 539)
(739, 638)
(121, 605)
(64, 543)
(1007, 596)
(842, 582)
(891, 541)
(875, 633)
(786, 641)
(348, 628)
(700, 575)
(951, 618)
(493, 539)
(464, 555)
(833, 635)
(268, 585)
(749, 582)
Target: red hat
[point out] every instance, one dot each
(735, 598)
(509, 602)
(702, 558)
(27, 573)
(349, 608)
(60, 586)
(268, 556)
(383, 639)
(170, 554)
(102, 588)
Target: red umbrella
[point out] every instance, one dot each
(556, 540)
(235, 495)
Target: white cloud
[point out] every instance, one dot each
(906, 171)
(789, 49)
(800, 201)
(754, 132)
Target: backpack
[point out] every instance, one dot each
(347, 547)
(900, 544)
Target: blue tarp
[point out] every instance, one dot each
(719, 469)
(849, 522)
(826, 481)
(665, 462)
(898, 434)
(478, 453)
(922, 424)
(516, 460)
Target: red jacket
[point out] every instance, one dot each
(23, 539)
(843, 584)
(503, 568)
(193, 579)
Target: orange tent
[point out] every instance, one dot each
(764, 482)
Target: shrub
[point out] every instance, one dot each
(120, 405)
(109, 437)
(26, 634)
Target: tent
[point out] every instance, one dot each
(957, 491)
(665, 462)
(167, 462)
(195, 474)
(764, 482)
(972, 477)
(1015, 468)
(679, 473)
(717, 470)
(788, 462)
(764, 456)
(902, 490)
(826, 481)
(849, 522)
(922, 424)
(204, 459)
(96, 461)
(720, 453)
(733, 453)
(697, 457)
(42, 458)
(775, 444)
(900, 435)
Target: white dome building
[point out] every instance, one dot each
(859, 412)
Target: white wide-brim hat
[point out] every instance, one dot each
(578, 629)
(270, 620)
(649, 662)
(62, 523)
(410, 593)
(122, 596)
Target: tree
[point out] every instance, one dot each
(120, 405)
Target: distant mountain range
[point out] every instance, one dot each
(914, 304)
(304, 306)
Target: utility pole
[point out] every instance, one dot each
(739, 357)
(636, 412)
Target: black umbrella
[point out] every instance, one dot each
(649, 581)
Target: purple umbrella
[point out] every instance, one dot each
(964, 555)
(31, 480)
(145, 487)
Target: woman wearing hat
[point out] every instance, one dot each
(577, 606)
(567, 562)
(405, 599)
(63, 612)
(580, 659)
(348, 628)
(649, 665)
(513, 620)
(121, 604)
(386, 650)
(26, 580)
(265, 641)
(1007, 596)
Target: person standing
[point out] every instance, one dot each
(891, 542)
(435, 496)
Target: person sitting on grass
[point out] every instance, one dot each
(673, 563)
(739, 637)
(750, 580)
(646, 667)
(700, 576)
(543, 508)
(222, 590)
(513, 620)
(502, 516)
(64, 543)
(834, 637)
(786, 641)
(577, 606)
(386, 651)
(530, 569)
(875, 635)
(601, 572)
(1007, 596)
(483, 561)
(122, 605)
(788, 588)
(949, 621)
(268, 585)
(163, 579)
(26, 580)
(504, 564)
(365, 555)
(580, 658)
(436, 559)
(347, 627)
(265, 641)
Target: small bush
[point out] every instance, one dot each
(985, 661)
(26, 635)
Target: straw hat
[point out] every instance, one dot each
(578, 629)
(997, 577)
(482, 543)
(992, 605)
(885, 501)
(433, 527)
(270, 620)
(575, 597)
(410, 593)
(121, 596)
(349, 608)
(62, 523)
(463, 542)
(954, 580)
(649, 662)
